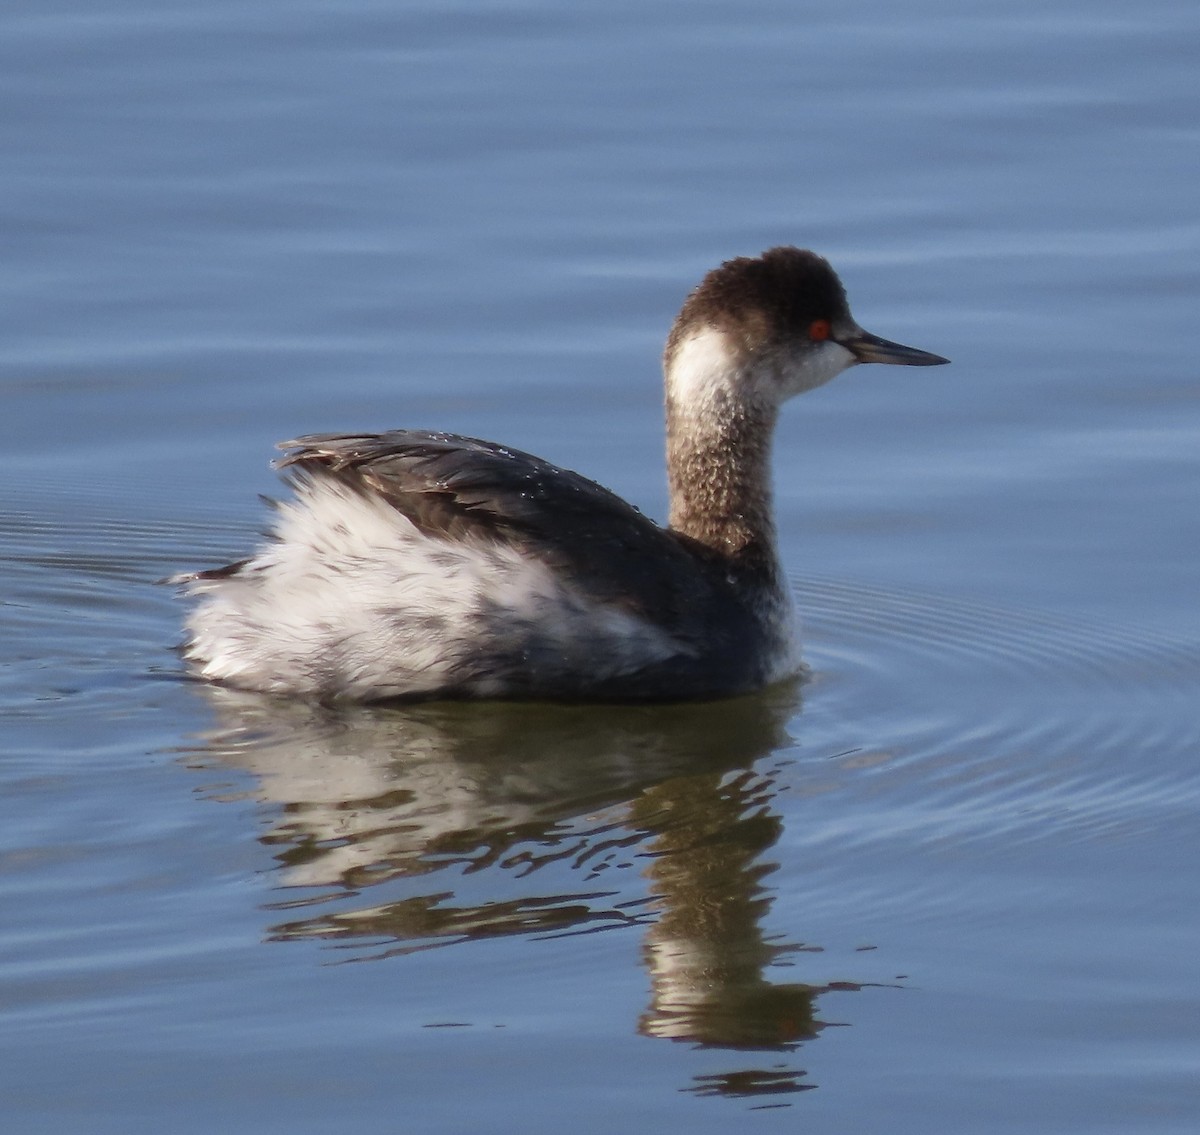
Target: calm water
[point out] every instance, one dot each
(949, 885)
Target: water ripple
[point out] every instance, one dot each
(972, 721)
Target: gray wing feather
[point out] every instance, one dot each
(458, 487)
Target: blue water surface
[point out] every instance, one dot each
(947, 885)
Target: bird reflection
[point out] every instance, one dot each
(382, 815)
(706, 952)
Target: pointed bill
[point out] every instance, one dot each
(868, 348)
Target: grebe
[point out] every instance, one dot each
(413, 564)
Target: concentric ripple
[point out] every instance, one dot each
(976, 721)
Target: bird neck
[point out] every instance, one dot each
(719, 461)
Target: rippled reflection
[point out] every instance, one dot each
(706, 953)
(402, 829)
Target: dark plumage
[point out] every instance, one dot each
(762, 301)
(455, 488)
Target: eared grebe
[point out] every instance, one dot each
(418, 564)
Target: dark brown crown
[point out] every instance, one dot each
(764, 299)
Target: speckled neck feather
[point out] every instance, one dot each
(720, 482)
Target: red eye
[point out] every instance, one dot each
(819, 330)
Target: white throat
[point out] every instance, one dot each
(707, 373)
